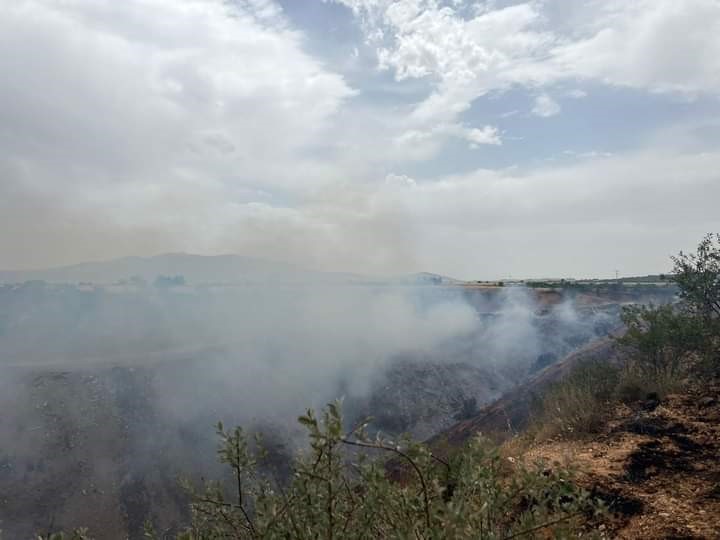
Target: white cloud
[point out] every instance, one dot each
(590, 154)
(657, 45)
(400, 180)
(576, 94)
(426, 143)
(545, 106)
(637, 207)
(486, 135)
(153, 125)
(154, 115)
(464, 58)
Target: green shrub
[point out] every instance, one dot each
(661, 342)
(698, 277)
(661, 339)
(340, 491)
(579, 404)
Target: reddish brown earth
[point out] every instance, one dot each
(655, 463)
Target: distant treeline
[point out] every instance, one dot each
(635, 284)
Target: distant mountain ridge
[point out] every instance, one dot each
(204, 269)
(194, 268)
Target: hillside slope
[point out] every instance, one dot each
(511, 413)
(654, 462)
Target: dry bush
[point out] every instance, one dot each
(576, 405)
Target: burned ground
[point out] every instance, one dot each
(658, 470)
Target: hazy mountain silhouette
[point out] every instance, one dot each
(194, 268)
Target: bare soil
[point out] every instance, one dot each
(655, 463)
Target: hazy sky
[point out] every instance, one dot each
(478, 139)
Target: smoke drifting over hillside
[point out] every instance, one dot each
(271, 345)
(116, 389)
(265, 343)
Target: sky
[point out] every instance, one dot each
(477, 139)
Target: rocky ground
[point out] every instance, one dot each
(656, 463)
